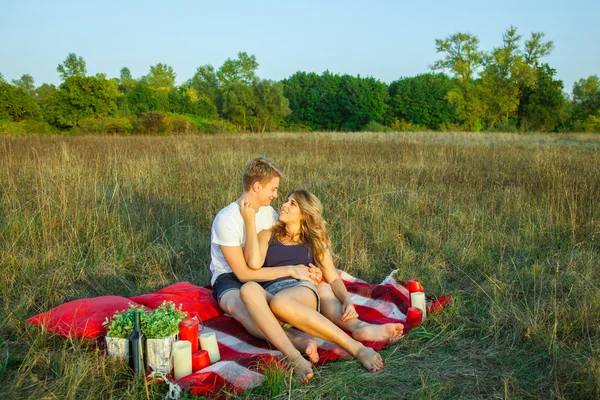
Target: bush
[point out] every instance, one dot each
(407, 126)
(179, 124)
(373, 126)
(27, 127)
(151, 123)
(114, 125)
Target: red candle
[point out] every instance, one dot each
(188, 330)
(415, 286)
(200, 359)
(414, 316)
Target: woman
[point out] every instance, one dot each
(300, 237)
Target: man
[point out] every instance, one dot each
(260, 182)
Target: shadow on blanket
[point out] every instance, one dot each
(241, 354)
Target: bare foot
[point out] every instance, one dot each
(370, 359)
(302, 368)
(378, 333)
(304, 343)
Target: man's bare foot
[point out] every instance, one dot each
(378, 333)
(370, 359)
(302, 368)
(304, 343)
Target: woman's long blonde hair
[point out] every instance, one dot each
(313, 228)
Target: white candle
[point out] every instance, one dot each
(208, 342)
(182, 358)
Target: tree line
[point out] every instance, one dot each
(508, 88)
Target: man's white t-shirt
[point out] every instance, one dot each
(228, 229)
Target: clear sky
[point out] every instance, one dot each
(384, 39)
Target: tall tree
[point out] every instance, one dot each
(16, 104)
(586, 97)
(161, 77)
(72, 66)
(542, 106)
(422, 100)
(462, 58)
(81, 97)
(239, 70)
(25, 82)
(126, 81)
(205, 82)
(271, 106)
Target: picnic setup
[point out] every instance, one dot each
(179, 336)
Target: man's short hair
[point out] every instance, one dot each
(260, 169)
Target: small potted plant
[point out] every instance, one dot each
(120, 327)
(161, 327)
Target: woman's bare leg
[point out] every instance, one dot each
(362, 331)
(298, 307)
(255, 299)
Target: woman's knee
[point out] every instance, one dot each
(280, 304)
(325, 290)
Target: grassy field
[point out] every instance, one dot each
(508, 224)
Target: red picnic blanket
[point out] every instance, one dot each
(242, 355)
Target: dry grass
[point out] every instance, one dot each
(509, 224)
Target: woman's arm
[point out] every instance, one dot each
(338, 287)
(234, 256)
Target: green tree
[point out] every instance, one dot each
(271, 106)
(238, 105)
(422, 100)
(239, 70)
(161, 77)
(25, 82)
(72, 66)
(139, 100)
(16, 104)
(126, 81)
(206, 82)
(186, 101)
(81, 97)
(542, 106)
(586, 97)
(44, 95)
(462, 58)
(2, 78)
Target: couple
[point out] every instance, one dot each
(268, 269)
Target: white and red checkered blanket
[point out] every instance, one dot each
(243, 356)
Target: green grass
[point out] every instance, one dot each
(508, 224)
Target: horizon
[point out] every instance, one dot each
(343, 38)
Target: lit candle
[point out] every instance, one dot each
(182, 358)
(208, 342)
(188, 330)
(200, 359)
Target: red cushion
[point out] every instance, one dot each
(82, 318)
(192, 298)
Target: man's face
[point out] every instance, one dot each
(267, 192)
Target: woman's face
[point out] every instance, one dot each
(290, 211)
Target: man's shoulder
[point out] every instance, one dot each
(230, 212)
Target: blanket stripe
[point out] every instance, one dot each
(242, 355)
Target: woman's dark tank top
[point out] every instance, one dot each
(279, 255)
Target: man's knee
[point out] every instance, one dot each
(231, 302)
(250, 291)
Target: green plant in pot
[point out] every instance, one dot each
(119, 328)
(161, 326)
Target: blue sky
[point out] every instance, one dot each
(383, 39)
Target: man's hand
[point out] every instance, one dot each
(348, 311)
(247, 211)
(304, 273)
